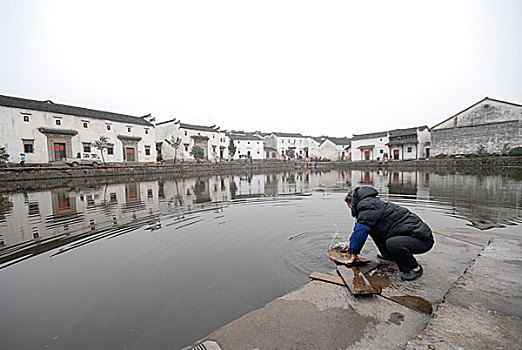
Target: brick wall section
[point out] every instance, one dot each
(467, 139)
(489, 123)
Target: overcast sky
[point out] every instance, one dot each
(315, 67)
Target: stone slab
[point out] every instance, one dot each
(483, 309)
(322, 316)
(443, 265)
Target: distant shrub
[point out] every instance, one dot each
(517, 151)
(441, 156)
(4, 157)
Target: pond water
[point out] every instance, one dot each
(160, 264)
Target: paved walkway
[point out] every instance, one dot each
(472, 284)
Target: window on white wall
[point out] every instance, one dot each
(110, 149)
(129, 129)
(85, 124)
(108, 127)
(26, 118)
(147, 150)
(409, 149)
(28, 146)
(86, 146)
(58, 121)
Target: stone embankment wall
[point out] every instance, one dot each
(434, 164)
(44, 177)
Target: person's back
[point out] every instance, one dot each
(397, 232)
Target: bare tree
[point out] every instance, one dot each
(174, 142)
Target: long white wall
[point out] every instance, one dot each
(14, 130)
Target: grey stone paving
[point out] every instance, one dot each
(483, 309)
(476, 296)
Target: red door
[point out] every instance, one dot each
(129, 151)
(59, 151)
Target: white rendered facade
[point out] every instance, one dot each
(408, 144)
(213, 141)
(45, 135)
(369, 147)
(335, 149)
(283, 142)
(248, 146)
(313, 143)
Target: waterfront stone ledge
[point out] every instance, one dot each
(471, 280)
(179, 169)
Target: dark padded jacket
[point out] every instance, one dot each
(386, 219)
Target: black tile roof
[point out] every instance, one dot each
(409, 131)
(212, 128)
(283, 134)
(370, 135)
(48, 106)
(245, 137)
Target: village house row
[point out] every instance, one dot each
(48, 132)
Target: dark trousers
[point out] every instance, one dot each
(402, 248)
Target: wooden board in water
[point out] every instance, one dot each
(342, 258)
(356, 281)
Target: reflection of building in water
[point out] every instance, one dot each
(249, 185)
(336, 180)
(410, 183)
(487, 201)
(39, 217)
(402, 182)
(374, 178)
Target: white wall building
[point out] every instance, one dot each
(248, 145)
(490, 125)
(369, 147)
(312, 144)
(211, 139)
(412, 143)
(48, 132)
(335, 148)
(283, 142)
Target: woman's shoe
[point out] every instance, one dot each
(412, 275)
